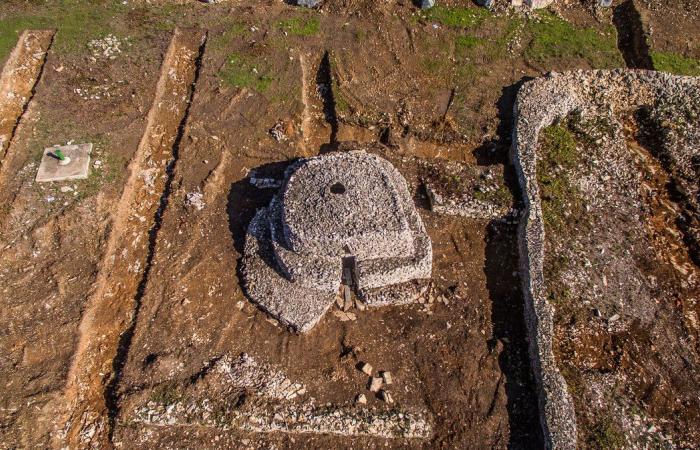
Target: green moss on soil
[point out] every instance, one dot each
(300, 26)
(77, 22)
(606, 435)
(457, 17)
(554, 38)
(561, 200)
(243, 71)
(675, 63)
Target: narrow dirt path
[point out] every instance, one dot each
(19, 76)
(107, 324)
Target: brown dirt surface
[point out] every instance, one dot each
(120, 294)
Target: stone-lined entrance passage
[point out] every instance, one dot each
(334, 206)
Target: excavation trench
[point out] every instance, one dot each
(19, 77)
(108, 323)
(319, 124)
(631, 38)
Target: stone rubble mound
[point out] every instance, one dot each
(346, 208)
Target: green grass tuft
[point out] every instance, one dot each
(241, 71)
(467, 42)
(554, 38)
(561, 200)
(296, 26)
(458, 17)
(232, 32)
(606, 435)
(675, 63)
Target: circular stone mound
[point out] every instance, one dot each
(346, 203)
(346, 207)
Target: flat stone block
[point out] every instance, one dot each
(77, 169)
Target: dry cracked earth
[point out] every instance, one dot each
(123, 319)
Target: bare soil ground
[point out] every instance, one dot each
(123, 289)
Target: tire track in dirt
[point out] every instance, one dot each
(108, 322)
(19, 77)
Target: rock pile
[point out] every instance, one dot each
(347, 210)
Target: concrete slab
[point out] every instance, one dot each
(51, 169)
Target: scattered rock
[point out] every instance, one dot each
(385, 396)
(375, 384)
(348, 298)
(386, 376)
(345, 316)
(108, 47)
(361, 399)
(308, 3)
(195, 199)
(277, 132)
(366, 368)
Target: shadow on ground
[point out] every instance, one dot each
(501, 268)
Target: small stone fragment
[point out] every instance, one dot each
(308, 3)
(366, 368)
(345, 316)
(347, 297)
(385, 396)
(375, 384)
(386, 376)
(361, 399)
(359, 304)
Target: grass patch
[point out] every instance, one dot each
(463, 43)
(554, 38)
(457, 17)
(675, 63)
(242, 71)
(77, 23)
(165, 394)
(341, 103)
(605, 435)
(10, 30)
(494, 47)
(231, 32)
(298, 26)
(111, 171)
(500, 196)
(560, 145)
(561, 200)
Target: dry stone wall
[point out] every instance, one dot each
(540, 103)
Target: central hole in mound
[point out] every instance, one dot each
(338, 188)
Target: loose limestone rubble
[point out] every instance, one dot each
(349, 209)
(274, 403)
